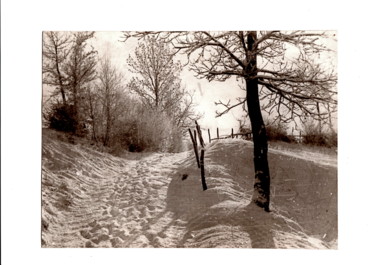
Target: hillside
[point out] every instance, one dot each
(93, 199)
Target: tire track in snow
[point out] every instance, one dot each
(97, 200)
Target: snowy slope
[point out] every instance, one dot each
(92, 199)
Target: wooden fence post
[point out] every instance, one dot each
(209, 136)
(199, 134)
(204, 185)
(217, 132)
(232, 134)
(195, 147)
(200, 160)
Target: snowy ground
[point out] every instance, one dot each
(315, 157)
(92, 199)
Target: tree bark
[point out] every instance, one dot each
(262, 183)
(262, 176)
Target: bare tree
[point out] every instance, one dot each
(80, 67)
(92, 102)
(80, 70)
(109, 88)
(288, 86)
(157, 82)
(55, 51)
(69, 66)
(184, 113)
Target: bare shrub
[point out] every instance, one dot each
(144, 130)
(277, 131)
(313, 134)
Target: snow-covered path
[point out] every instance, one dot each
(99, 202)
(93, 199)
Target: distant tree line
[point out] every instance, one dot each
(92, 98)
(310, 133)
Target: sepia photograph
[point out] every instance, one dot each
(199, 132)
(189, 139)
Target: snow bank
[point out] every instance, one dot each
(223, 216)
(92, 199)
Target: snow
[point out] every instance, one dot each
(93, 199)
(318, 158)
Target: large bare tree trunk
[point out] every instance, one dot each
(261, 195)
(262, 176)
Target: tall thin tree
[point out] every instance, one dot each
(80, 70)
(157, 81)
(55, 52)
(109, 87)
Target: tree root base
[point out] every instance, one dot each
(263, 205)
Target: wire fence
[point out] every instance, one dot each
(245, 134)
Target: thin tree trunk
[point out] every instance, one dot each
(62, 91)
(76, 129)
(262, 183)
(108, 120)
(330, 118)
(320, 121)
(92, 116)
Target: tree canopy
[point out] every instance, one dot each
(292, 80)
(157, 81)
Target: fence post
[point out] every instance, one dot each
(199, 134)
(209, 136)
(204, 185)
(201, 162)
(232, 134)
(195, 147)
(201, 138)
(217, 132)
